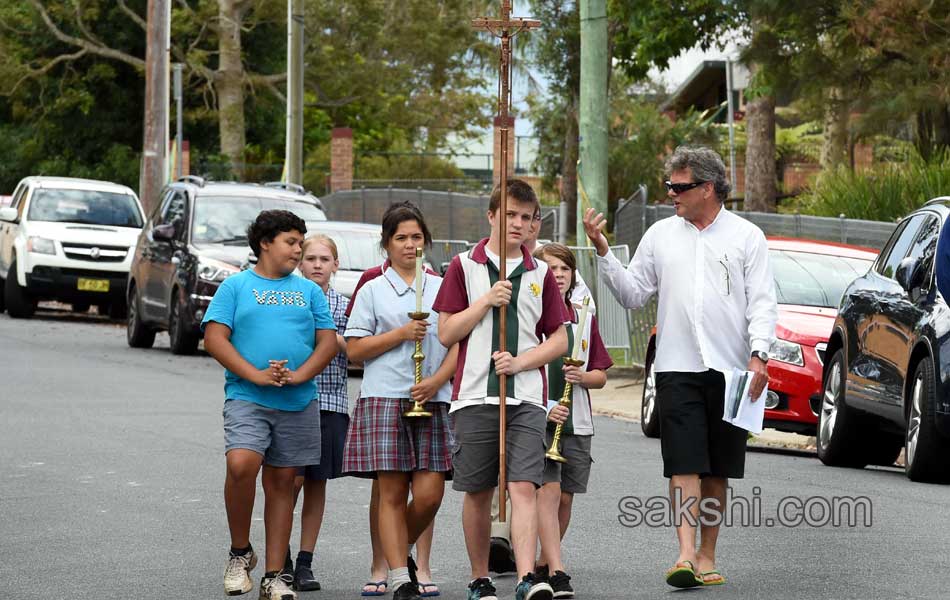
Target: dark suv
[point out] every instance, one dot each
(195, 239)
(886, 382)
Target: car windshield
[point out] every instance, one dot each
(221, 219)
(85, 206)
(813, 279)
(359, 250)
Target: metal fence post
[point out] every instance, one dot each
(451, 216)
(643, 211)
(798, 224)
(363, 203)
(843, 223)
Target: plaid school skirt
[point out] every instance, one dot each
(381, 439)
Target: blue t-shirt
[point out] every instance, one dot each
(270, 319)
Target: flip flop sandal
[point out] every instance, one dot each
(377, 585)
(683, 575)
(713, 577)
(432, 594)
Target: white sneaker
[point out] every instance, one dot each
(237, 575)
(278, 588)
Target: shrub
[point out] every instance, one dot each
(885, 193)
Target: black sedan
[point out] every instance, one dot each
(886, 384)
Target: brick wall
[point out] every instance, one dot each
(341, 159)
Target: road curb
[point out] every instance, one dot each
(767, 439)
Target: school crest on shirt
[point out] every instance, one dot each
(535, 290)
(584, 345)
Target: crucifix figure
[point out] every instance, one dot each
(504, 28)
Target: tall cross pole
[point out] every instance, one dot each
(504, 28)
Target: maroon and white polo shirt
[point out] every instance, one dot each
(536, 310)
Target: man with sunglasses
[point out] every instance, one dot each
(716, 311)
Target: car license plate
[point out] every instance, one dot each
(92, 285)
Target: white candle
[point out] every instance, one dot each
(580, 328)
(418, 280)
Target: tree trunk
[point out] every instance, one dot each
(933, 131)
(229, 84)
(569, 162)
(760, 187)
(834, 147)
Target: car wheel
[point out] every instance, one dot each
(838, 425)
(137, 333)
(80, 307)
(181, 340)
(925, 450)
(649, 407)
(19, 303)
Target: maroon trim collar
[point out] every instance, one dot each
(479, 255)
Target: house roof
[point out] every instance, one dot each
(707, 74)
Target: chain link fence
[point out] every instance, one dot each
(633, 217)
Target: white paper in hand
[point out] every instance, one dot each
(739, 409)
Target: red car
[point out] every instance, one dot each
(810, 277)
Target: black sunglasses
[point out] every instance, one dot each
(679, 188)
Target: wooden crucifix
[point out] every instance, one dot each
(504, 28)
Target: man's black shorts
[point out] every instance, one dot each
(693, 436)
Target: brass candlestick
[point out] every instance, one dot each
(418, 408)
(554, 453)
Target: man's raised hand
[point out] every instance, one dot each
(593, 227)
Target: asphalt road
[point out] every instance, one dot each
(111, 471)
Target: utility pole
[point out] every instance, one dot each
(176, 93)
(294, 150)
(732, 125)
(155, 141)
(592, 151)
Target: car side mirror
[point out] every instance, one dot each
(8, 214)
(910, 273)
(164, 232)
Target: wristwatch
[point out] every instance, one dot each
(763, 356)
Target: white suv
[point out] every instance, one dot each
(70, 240)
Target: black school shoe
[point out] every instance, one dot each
(501, 558)
(532, 588)
(407, 591)
(481, 589)
(304, 581)
(561, 584)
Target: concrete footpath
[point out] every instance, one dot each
(622, 396)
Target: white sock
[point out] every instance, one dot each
(397, 577)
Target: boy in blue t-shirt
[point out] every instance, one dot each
(273, 333)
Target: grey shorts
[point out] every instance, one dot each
(475, 454)
(574, 474)
(284, 438)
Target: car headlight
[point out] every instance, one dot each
(787, 352)
(215, 270)
(40, 245)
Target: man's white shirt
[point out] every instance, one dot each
(716, 295)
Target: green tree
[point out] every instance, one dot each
(402, 75)
(556, 51)
(905, 49)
